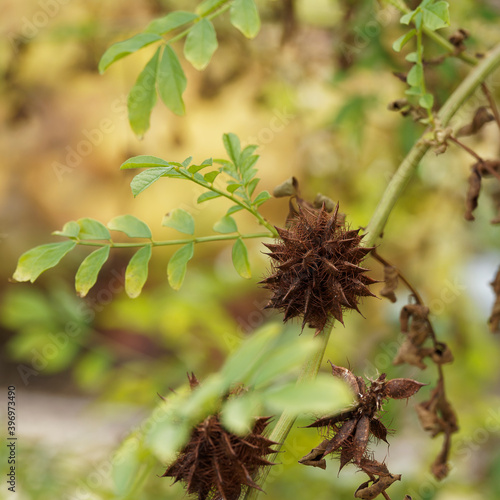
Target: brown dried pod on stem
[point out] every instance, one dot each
(316, 270)
(217, 464)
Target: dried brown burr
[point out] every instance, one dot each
(216, 464)
(316, 270)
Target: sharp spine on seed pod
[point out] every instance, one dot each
(315, 269)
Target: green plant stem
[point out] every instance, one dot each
(409, 165)
(286, 420)
(248, 208)
(438, 39)
(201, 239)
(215, 11)
(420, 51)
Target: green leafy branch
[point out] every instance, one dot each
(239, 187)
(435, 37)
(163, 74)
(432, 16)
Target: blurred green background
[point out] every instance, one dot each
(312, 91)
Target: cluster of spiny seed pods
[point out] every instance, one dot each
(349, 431)
(315, 267)
(217, 464)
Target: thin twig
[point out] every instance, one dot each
(410, 287)
(466, 148)
(491, 102)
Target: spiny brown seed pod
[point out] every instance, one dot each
(216, 464)
(315, 269)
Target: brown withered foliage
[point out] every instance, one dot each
(315, 267)
(481, 117)
(349, 431)
(391, 283)
(352, 429)
(415, 325)
(437, 416)
(472, 193)
(216, 464)
(494, 320)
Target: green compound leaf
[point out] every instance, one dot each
(126, 47)
(171, 81)
(226, 225)
(240, 259)
(37, 260)
(245, 17)
(136, 273)
(87, 273)
(131, 226)
(210, 195)
(177, 265)
(179, 219)
(436, 16)
(71, 230)
(170, 22)
(143, 180)
(200, 45)
(91, 229)
(142, 97)
(403, 40)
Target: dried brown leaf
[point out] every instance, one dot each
(418, 330)
(391, 283)
(412, 354)
(481, 117)
(472, 193)
(441, 354)
(429, 420)
(494, 320)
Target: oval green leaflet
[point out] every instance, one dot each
(87, 273)
(136, 273)
(177, 265)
